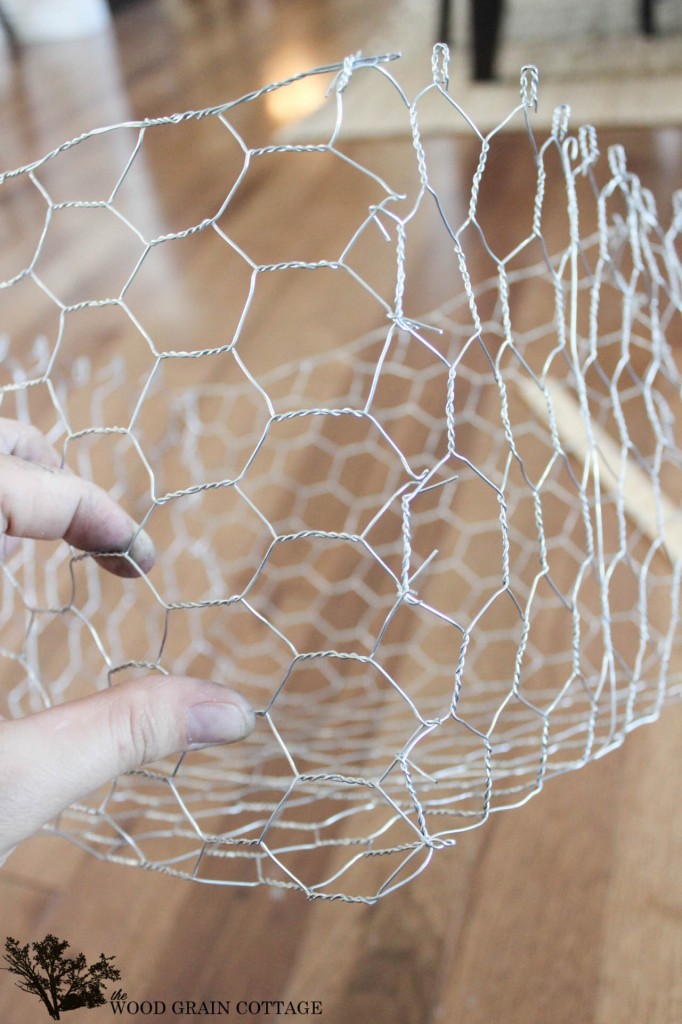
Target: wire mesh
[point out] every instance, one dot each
(442, 559)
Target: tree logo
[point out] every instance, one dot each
(61, 982)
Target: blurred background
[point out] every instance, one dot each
(568, 909)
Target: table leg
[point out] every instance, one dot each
(486, 17)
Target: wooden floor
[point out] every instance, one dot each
(565, 911)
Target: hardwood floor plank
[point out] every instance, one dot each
(641, 932)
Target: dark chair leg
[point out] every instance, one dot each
(646, 17)
(444, 22)
(486, 17)
(8, 28)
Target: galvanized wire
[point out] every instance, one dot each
(443, 559)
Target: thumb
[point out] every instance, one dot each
(55, 757)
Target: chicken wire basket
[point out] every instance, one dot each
(442, 559)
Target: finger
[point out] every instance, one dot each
(53, 758)
(26, 442)
(45, 503)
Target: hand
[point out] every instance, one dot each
(51, 759)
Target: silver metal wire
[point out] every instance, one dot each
(443, 559)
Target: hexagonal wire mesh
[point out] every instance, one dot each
(442, 560)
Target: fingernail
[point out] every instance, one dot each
(143, 551)
(217, 723)
(9, 545)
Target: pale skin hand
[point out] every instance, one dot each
(52, 758)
